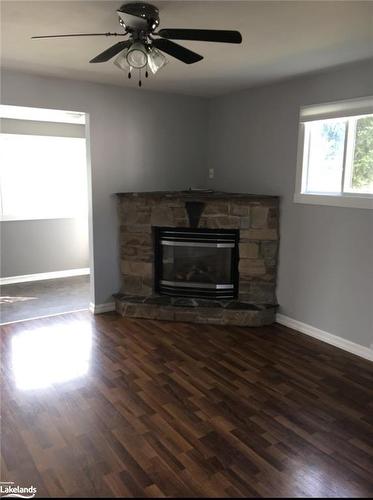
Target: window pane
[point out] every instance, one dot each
(326, 151)
(362, 168)
(43, 177)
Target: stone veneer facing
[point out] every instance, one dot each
(257, 218)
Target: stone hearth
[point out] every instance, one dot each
(256, 218)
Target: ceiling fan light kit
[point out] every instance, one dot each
(154, 61)
(142, 51)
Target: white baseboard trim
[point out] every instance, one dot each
(329, 338)
(45, 276)
(101, 308)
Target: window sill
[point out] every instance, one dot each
(335, 200)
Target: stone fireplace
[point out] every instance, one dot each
(198, 256)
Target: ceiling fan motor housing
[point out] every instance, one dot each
(141, 10)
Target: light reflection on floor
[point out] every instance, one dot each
(309, 475)
(45, 356)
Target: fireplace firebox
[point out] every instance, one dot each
(199, 263)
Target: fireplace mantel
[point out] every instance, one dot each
(256, 217)
(197, 194)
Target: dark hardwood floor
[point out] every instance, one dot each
(103, 406)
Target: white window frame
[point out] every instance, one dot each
(341, 109)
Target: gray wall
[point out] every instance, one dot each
(139, 141)
(42, 246)
(326, 253)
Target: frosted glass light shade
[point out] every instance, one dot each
(137, 55)
(121, 61)
(156, 60)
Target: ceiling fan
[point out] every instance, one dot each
(144, 48)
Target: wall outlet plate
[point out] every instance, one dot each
(211, 173)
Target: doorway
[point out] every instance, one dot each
(45, 267)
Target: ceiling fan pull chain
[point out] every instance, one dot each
(129, 74)
(140, 83)
(146, 71)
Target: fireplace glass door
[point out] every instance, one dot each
(197, 263)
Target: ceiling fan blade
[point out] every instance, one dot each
(111, 52)
(79, 34)
(225, 36)
(175, 50)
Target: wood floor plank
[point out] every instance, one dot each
(104, 406)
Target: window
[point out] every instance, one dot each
(335, 154)
(43, 170)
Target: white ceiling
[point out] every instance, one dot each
(280, 39)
